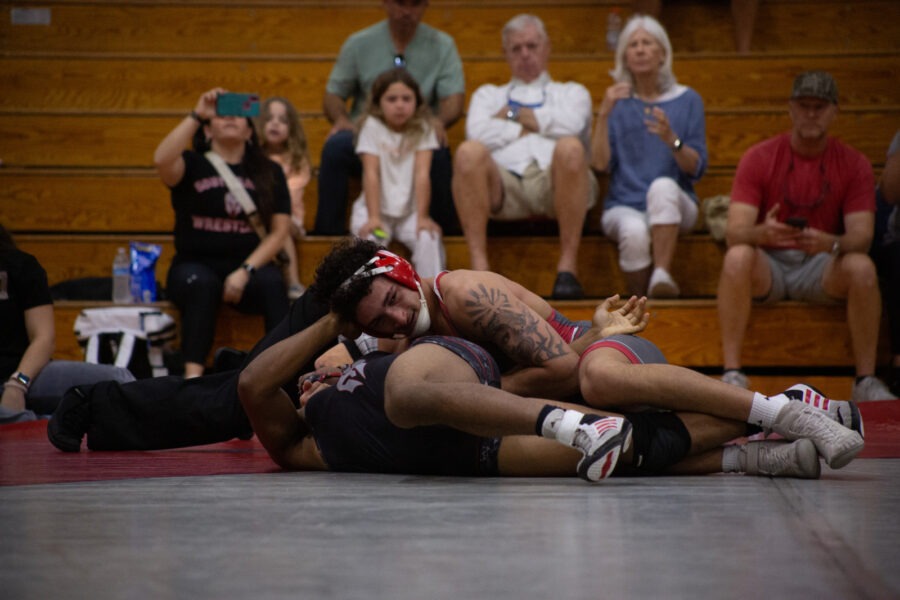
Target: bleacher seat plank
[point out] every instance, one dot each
(233, 328)
(134, 200)
(576, 27)
(76, 85)
(529, 260)
(63, 140)
(685, 330)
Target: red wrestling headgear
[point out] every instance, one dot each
(390, 265)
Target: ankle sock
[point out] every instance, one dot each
(558, 424)
(764, 409)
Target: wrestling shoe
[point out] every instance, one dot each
(70, 421)
(781, 459)
(845, 412)
(602, 440)
(837, 444)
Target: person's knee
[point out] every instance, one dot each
(401, 396)
(859, 271)
(470, 159)
(663, 202)
(738, 262)
(336, 146)
(597, 377)
(569, 155)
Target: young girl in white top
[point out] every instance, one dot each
(395, 144)
(284, 141)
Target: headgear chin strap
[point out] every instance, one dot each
(400, 270)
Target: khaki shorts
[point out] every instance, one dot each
(532, 194)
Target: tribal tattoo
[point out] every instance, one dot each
(527, 339)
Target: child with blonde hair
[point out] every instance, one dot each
(283, 140)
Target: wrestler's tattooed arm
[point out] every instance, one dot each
(548, 367)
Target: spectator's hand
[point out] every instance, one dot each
(13, 398)
(342, 124)
(613, 317)
(614, 93)
(775, 233)
(425, 223)
(813, 241)
(369, 227)
(234, 286)
(206, 104)
(660, 125)
(440, 132)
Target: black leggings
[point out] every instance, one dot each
(196, 289)
(172, 412)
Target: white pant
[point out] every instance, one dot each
(667, 204)
(428, 256)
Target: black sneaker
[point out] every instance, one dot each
(567, 287)
(70, 421)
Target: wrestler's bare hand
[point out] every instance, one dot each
(613, 317)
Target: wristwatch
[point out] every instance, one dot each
(677, 145)
(512, 113)
(249, 268)
(836, 246)
(21, 378)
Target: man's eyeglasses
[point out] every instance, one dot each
(399, 61)
(805, 205)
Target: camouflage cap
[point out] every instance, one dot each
(815, 84)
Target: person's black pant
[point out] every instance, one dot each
(196, 289)
(339, 163)
(173, 412)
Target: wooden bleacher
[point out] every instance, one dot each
(87, 98)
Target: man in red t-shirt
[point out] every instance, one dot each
(800, 224)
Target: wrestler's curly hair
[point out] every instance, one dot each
(339, 264)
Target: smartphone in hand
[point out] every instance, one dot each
(798, 222)
(237, 105)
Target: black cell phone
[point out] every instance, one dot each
(237, 105)
(798, 222)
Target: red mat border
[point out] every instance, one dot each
(28, 458)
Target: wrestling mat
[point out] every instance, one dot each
(27, 458)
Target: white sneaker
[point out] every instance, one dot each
(781, 459)
(837, 444)
(602, 440)
(662, 285)
(735, 377)
(871, 388)
(845, 412)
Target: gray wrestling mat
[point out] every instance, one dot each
(326, 535)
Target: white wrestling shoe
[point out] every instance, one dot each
(602, 440)
(845, 412)
(837, 444)
(781, 459)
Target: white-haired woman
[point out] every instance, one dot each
(650, 137)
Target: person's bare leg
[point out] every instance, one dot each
(665, 240)
(744, 14)
(293, 271)
(609, 381)
(853, 276)
(636, 282)
(741, 267)
(476, 190)
(570, 195)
